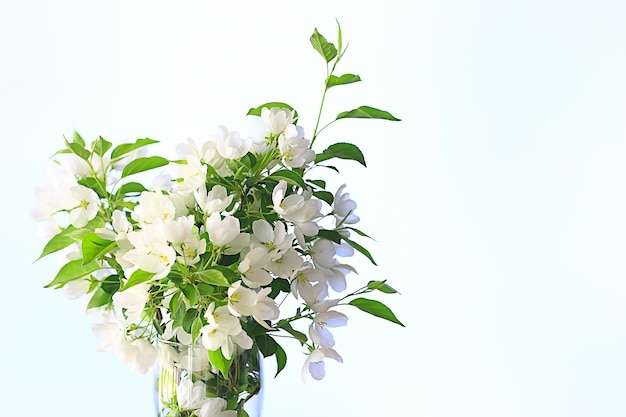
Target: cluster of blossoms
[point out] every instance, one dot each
(229, 246)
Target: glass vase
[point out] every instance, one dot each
(188, 385)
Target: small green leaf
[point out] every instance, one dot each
(77, 138)
(281, 359)
(318, 183)
(99, 298)
(326, 49)
(381, 286)
(333, 80)
(299, 336)
(375, 308)
(100, 146)
(125, 148)
(72, 271)
(93, 247)
(330, 235)
(326, 196)
(143, 164)
(132, 188)
(342, 150)
(290, 176)
(190, 317)
(212, 276)
(78, 149)
(216, 357)
(360, 249)
(138, 277)
(366, 112)
(279, 285)
(59, 241)
(191, 293)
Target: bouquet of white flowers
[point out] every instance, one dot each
(232, 245)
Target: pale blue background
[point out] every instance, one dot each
(498, 203)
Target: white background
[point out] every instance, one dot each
(497, 204)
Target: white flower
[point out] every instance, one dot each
(277, 119)
(190, 395)
(190, 175)
(318, 330)
(179, 230)
(284, 265)
(151, 252)
(314, 363)
(214, 201)
(140, 354)
(323, 253)
(214, 407)
(223, 331)
(83, 204)
(251, 268)
(222, 232)
(301, 210)
(294, 150)
(344, 208)
(241, 300)
(111, 333)
(133, 300)
(336, 276)
(303, 280)
(153, 207)
(231, 145)
(275, 240)
(76, 288)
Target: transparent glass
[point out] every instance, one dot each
(188, 385)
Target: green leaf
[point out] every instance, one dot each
(59, 241)
(326, 49)
(281, 359)
(111, 284)
(72, 271)
(290, 176)
(78, 149)
(256, 111)
(99, 299)
(212, 276)
(138, 277)
(366, 112)
(333, 80)
(326, 196)
(100, 146)
(93, 246)
(330, 235)
(125, 148)
(190, 317)
(77, 138)
(299, 336)
(342, 150)
(132, 188)
(267, 345)
(381, 286)
(318, 183)
(278, 285)
(375, 308)
(242, 413)
(220, 362)
(192, 293)
(339, 38)
(143, 164)
(360, 249)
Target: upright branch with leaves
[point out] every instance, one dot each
(233, 246)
